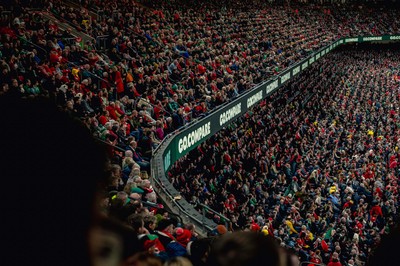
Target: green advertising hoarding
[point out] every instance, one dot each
(372, 38)
(192, 136)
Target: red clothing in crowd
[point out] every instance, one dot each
(201, 69)
(111, 110)
(376, 211)
(119, 111)
(324, 246)
(105, 83)
(103, 120)
(369, 174)
(177, 17)
(54, 57)
(119, 82)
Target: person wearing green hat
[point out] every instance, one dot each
(137, 190)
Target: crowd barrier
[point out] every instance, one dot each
(179, 143)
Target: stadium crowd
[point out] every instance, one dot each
(167, 63)
(315, 165)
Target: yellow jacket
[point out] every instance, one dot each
(290, 225)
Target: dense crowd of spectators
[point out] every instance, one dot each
(63, 223)
(166, 63)
(316, 165)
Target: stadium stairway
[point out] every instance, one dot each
(78, 6)
(64, 26)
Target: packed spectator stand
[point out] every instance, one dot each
(149, 69)
(301, 166)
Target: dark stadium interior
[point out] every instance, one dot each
(184, 132)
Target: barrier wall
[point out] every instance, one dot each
(181, 142)
(192, 136)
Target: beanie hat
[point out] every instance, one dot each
(254, 227)
(179, 231)
(159, 217)
(153, 241)
(183, 237)
(137, 190)
(221, 229)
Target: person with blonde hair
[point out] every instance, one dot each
(128, 154)
(128, 164)
(135, 171)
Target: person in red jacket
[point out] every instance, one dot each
(118, 80)
(112, 111)
(104, 118)
(335, 260)
(375, 211)
(201, 69)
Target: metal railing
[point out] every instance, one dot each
(101, 42)
(157, 170)
(149, 204)
(6, 17)
(109, 144)
(68, 62)
(206, 208)
(70, 41)
(33, 44)
(172, 203)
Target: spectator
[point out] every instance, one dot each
(137, 157)
(222, 53)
